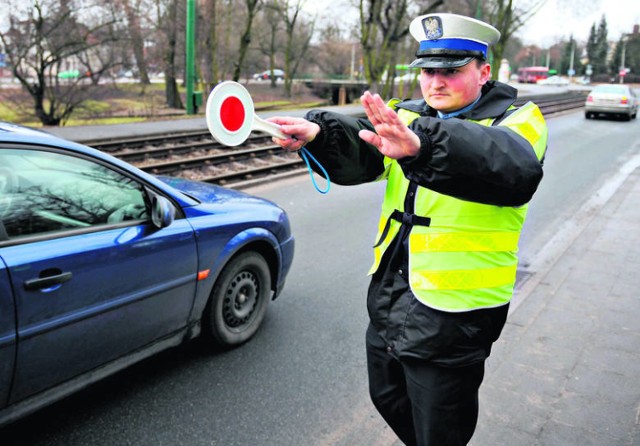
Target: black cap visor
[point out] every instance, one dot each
(440, 62)
(444, 58)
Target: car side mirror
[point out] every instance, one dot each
(162, 211)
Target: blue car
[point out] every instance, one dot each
(102, 265)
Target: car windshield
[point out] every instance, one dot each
(618, 89)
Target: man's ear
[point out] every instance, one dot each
(485, 73)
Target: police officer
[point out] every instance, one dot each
(461, 164)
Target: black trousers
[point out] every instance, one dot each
(425, 404)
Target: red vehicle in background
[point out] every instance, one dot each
(531, 75)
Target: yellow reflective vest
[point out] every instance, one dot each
(464, 255)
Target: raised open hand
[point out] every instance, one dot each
(392, 137)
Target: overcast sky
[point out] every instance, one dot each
(561, 18)
(557, 20)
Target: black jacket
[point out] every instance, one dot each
(490, 165)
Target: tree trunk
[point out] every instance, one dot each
(211, 50)
(171, 85)
(245, 40)
(291, 60)
(137, 41)
(39, 109)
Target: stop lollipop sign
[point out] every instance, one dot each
(231, 118)
(230, 115)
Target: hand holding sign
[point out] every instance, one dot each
(230, 118)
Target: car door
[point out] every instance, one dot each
(7, 332)
(93, 279)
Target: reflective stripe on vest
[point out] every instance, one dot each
(465, 257)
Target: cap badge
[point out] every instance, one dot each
(433, 28)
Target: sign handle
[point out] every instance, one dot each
(267, 127)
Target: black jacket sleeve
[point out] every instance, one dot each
(466, 160)
(338, 148)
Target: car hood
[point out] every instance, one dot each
(210, 193)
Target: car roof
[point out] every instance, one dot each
(15, 133)
(9, 127)
(611, 88)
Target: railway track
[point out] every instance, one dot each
(197, 156)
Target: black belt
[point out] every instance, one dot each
(404, 218)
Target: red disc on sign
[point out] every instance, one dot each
(232, 113)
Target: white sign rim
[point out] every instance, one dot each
(217, 96)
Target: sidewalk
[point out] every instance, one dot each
(566, 370)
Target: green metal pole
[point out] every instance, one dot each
(190, 44)
(479, 9)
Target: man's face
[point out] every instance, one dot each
(450, 89)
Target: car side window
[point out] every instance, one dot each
(45, 192)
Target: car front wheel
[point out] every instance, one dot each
(238, 301)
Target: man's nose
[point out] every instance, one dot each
(438, 79)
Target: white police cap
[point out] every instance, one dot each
(450, 40)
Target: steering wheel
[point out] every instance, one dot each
(8, 185)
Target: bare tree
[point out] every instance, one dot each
(383, 24)
(297, 43)
(508, 19)
(335, 53)
(245, 40)
(209, 27)
(46, 38)
(133, 14)
(268, 34)
(169, 15)
(218, 21)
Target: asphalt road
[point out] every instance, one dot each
(302, 379)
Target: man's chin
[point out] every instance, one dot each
(442, 105)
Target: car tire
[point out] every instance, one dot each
(588, 115)
(238, 302)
